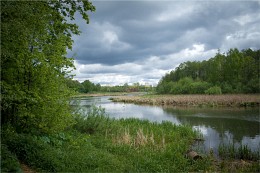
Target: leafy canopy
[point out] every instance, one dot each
(35, 36)
(233, 72)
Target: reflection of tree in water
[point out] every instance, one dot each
(236, 122)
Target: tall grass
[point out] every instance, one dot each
(238, 158)
(97, 143)
(230, 151)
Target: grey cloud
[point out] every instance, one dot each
(132, 32)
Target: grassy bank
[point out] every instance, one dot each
(100, 144)
(97, 143)
(236, 100)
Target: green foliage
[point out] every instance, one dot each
(75, 85)
(90, 87)
(93, 121)
(234, 72)
(136, 87)
(122, 145)
(34, 39)
(113, 146)
(213, 90)
(199, 87)
(230, 151)
(9, 162)
(185, 85)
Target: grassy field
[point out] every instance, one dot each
(236, 100)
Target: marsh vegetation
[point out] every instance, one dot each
(229, 100)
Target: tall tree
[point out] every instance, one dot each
(34, 38)
(234, 72)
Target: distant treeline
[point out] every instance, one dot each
(233, 72)
(88, 87)
(84, 87)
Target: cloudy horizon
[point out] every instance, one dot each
(140, 41)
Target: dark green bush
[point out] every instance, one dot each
(199, 87)
(213, 90)
(9, 162)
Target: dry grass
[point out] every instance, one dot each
(139, 139)
(231, 100)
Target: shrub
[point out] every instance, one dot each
(213, 90)
(227, 88)
(9, 162)
(199, 87)
(93, 121)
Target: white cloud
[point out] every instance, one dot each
(110, 37)
(247, 18)
(175, 12)
(148, 70)
(243, 38)
(111, 42)
(170, 61)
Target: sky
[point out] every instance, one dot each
(141, 41)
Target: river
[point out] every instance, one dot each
(217, 125)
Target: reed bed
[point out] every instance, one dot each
(231, 100)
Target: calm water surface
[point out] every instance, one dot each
(217, 125)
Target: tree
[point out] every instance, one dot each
(235, 72)
(75, 85)
(88, 86)
(34, 38)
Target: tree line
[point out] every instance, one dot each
(88, 87)
(232, 72)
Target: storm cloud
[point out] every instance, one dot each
(139, 41)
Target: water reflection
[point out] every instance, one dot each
(239, 126)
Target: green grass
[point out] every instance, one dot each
(227, 151)
(97, 143)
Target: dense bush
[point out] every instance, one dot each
(213, 90)
(185, 86)
(9, 161)
(199, 87)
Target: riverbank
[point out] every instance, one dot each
(97, 143)
(230, 100)
(101, 144)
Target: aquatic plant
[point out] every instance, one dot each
(230, 151)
